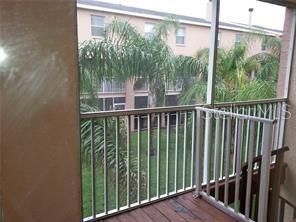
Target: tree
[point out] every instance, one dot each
(239, 77)
(125, 54)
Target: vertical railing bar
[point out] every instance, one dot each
(93, 169)
(247, 136)
(235, 143)
(264, 116)
(222, 147)
(128, 161)
(198, 151)
(184, 150)
(158, 156)
(192, 148)
(283, 123)
(227, 155)
(139, 159)
(117, 161)
(176, 151)
(167, 155)
(207, 151)
(242, 133)
(279, 119)
(250, 169)
(274, 140)
(148, 156)
(238, 165)
(106, 202)
(265, 172)
(258, 131)
(217, 156)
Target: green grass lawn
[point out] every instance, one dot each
(86, 171)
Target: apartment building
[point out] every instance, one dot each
(192, 36)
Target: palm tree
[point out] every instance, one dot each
(125, 54)
(239, 77)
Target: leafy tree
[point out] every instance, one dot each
(125, 54)
(239, 76)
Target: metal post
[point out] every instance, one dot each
(213, 52)
(265, 172)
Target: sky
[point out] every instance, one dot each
(264, 14)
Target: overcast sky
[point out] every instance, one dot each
(231, 10)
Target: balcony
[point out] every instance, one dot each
(112, 87)
(220, 163)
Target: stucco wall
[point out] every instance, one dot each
(196, 37)
(40, 166)
(289, 188)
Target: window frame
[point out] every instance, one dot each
(97, 26)
(184, 36)
(152, 33)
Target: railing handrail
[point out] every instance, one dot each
(183, 108)
(236, 115)
(249, 102)
(143, 111)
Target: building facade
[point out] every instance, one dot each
(192, 36)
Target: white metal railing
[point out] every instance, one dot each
(130, 165)
(240, 137)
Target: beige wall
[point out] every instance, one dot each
(40, 167)
(289, 188)
(196, 37)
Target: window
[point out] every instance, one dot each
(112, 87)
(112, 103)
(141, 85)
(175, 85)
(238, 38)
(141, 102)
(171, 100)
(180, 36)
(97, 25)
(264, 44)
(149, 30)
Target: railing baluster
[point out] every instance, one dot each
(217, 156)
(176, 151)
(207, 151)
(139, 158)
(242, 133)
(222, 147)
(106, 200)
(227, 154)
(247, 136)
(148, 156)
(278, 124)
(250, 168)
(265, 172)
(235, 144)
(158, 156)
(117, 161)
(128, 161)
(238, 164)
(192, 148)
(93, 169)
(167, 155)
(198, 151)
(184, 150)
(258, 131)
(283, 123)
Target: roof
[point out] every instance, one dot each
(141, 12)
